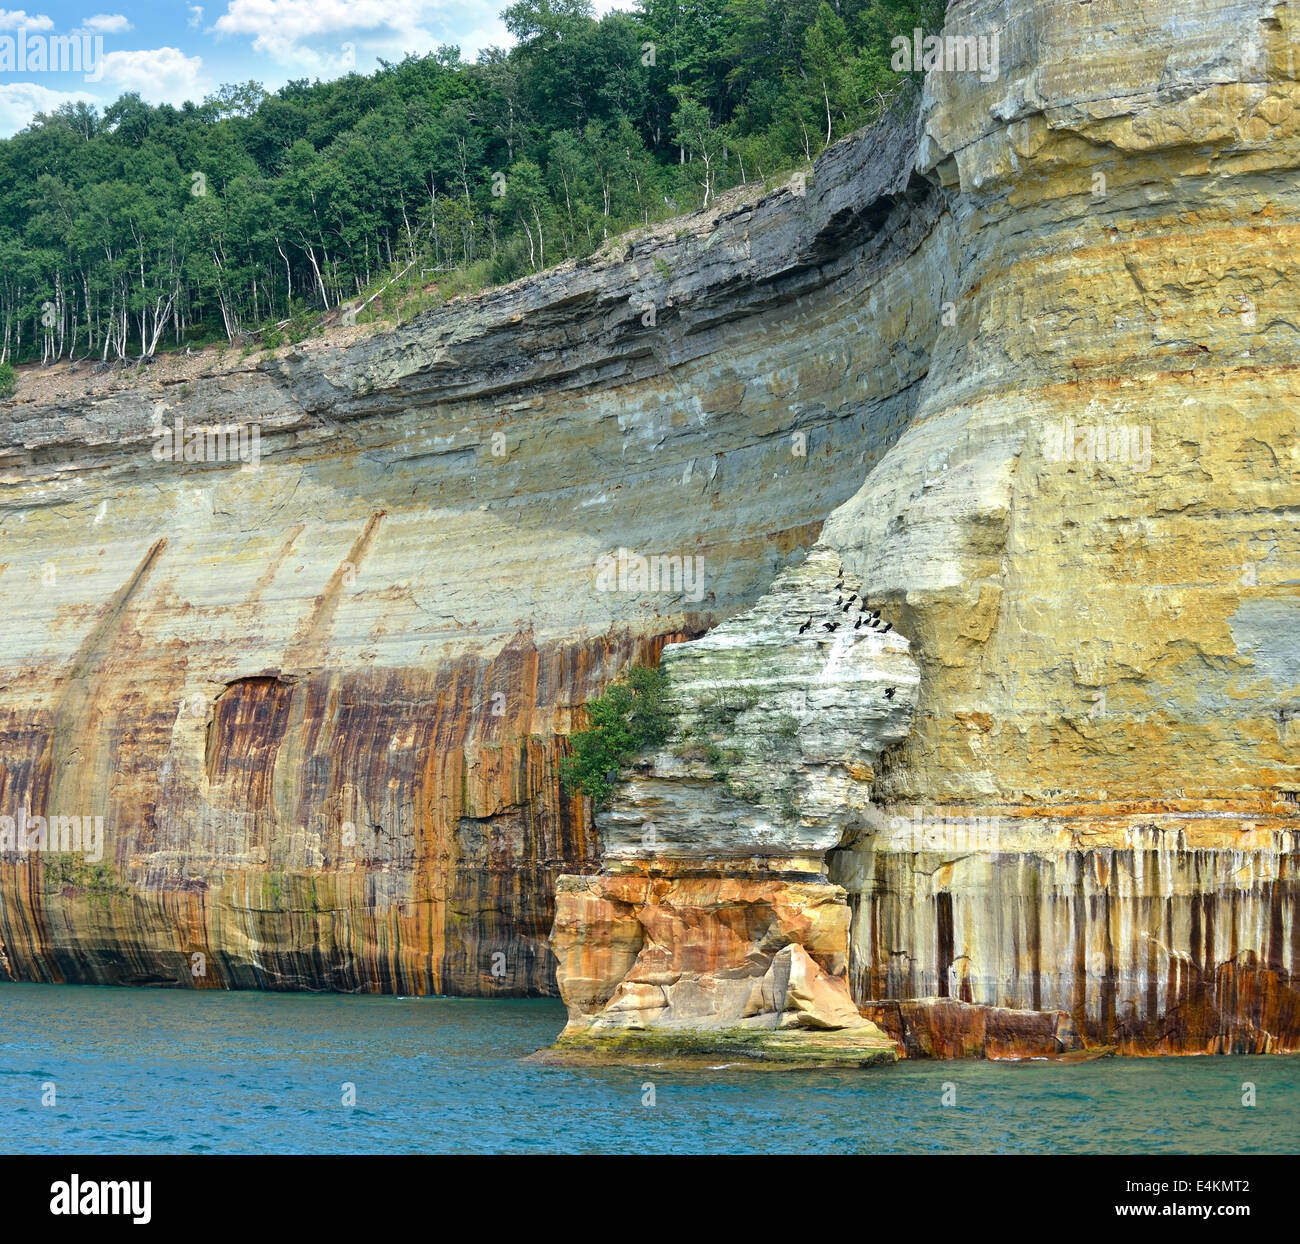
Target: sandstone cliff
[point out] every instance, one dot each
(1021, 360)
(1088, 534)
(317, 699)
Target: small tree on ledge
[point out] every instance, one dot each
(630, 717)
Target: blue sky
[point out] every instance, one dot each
(173, 50)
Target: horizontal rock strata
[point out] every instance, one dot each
(1091, 535)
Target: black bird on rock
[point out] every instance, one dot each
(806, 625)
(830, 626)
(889, 626)
(889, 693)
(857, 624)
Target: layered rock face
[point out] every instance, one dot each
(315, 698)
(1089, 534)
(1154, 947)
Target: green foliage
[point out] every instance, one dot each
(8, 380)
(96, 881)
(145, 228)
(628, 718)
(302, 322)
(719, 707)
(722, 761)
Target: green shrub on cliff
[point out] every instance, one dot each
(8, 380)
(96, 881)
(629, 717)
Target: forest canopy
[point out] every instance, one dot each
(142, 228)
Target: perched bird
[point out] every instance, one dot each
(806, 625)
(839, 600)
(830, 626)
(884, 630)
(379, 829)
(853, 597)
(848, 604)
(889, 693)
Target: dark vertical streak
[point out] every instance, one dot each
(943, 903)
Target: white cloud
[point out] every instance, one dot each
(285, 29)
(21, 101)
(16, 19)
(161, 75)
(196, 14)
(105, 24)
(289, 21)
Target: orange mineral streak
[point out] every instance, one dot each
(376, 830)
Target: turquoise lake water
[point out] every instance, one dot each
(153, 1071)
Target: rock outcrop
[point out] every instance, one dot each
(1089, 533)
(713, 913)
